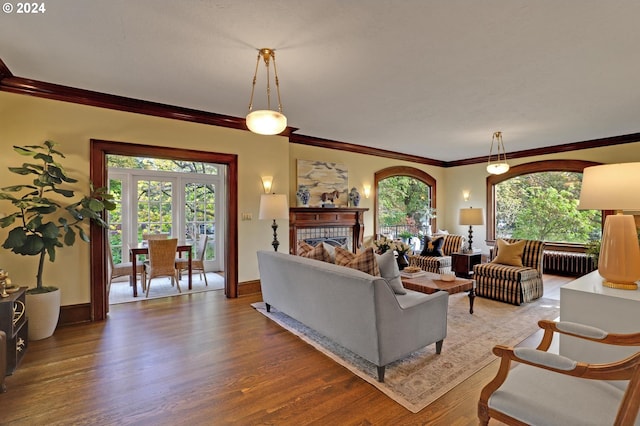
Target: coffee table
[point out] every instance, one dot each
(430, 283)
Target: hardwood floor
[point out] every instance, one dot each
(204, 359)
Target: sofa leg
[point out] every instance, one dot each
(381, 374)
(439, 346)
(268, 307)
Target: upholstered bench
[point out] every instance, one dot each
(509, 277)
(439, 264)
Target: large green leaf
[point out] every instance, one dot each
(16, 238)
(8, 220)
(69, 237)
(49, 231)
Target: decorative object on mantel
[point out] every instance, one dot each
(303, 195)
(500, 165)
(354, 197)
(471, 217)
(266, 121)
(272, 207)
(321, 177)
(607, 187)
(5, 282)
(42, 223)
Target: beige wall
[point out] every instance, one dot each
(29, 120)
(473, 179)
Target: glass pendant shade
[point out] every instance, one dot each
(497, 168)
(266, 122)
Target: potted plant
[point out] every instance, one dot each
(41, 224)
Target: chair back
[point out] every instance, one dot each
(452, 244)
(162, 255)
(110, 256)
(202, 247)
(159, 236)
(532, 255)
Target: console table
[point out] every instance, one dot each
(317, 223)
(13, 321)
(586, 301)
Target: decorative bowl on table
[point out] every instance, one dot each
(447, 277)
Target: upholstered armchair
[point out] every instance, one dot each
(513, 276)
(549, 389)
(439, 264)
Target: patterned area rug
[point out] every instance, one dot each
(423, 377)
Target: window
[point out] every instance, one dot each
(404, 202)
(539, 201)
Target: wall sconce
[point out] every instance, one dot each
(267, 182)
(366, 189)
(466, 195)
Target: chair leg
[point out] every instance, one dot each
(148, 286)
(206, 283)
(177, 283)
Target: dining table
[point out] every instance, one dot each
(143, 248)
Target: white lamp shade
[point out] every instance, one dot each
(497, 168)
(273, 206)
(610, 187)
(471, 216)
(266, 122)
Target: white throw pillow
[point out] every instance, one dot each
(390, 272)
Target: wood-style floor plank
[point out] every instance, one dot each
(205, 359)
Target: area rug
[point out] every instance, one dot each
(422, 377)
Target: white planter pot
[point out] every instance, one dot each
(43, 311)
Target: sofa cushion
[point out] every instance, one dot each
(364, 261)
(390, 272)
(509, 254)
(319, 252)
(433, 246)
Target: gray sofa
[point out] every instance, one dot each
(354, 309)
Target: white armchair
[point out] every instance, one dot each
(549, 389)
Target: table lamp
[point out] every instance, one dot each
(612, 187)
(471, 217)
(272, 207)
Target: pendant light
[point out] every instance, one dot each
(266, 121)
(499, 166)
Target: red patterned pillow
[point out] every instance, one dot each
(364, 261)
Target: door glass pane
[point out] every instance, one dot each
(115, 220)
(200, 215)
(154, 207)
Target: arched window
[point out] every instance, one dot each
(538, 201)
(404, 201)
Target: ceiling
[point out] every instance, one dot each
(428, 78)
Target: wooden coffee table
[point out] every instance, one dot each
(430, 283)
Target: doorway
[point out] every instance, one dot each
(100, 149)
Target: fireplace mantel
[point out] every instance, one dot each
(326, 222)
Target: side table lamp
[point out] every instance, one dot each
(612, 187)
(471, 217)
(272, 207)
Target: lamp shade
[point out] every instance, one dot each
(471, 216)
(273, 206)
(266, 122)
(609, 187)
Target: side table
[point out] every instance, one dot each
(14, 322)
(462, 263)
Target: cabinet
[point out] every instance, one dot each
(14, 322)
(462, 263)
(586, 301)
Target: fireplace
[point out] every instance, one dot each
(341, 226)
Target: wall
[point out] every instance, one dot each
(473, 179)
(26, 120)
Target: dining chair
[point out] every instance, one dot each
(158, 236)
(121, 270)
(197, 264)
(162, 262)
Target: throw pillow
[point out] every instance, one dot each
(390, 272)
(318, 253)
(432, 247)
(364, 261)
(509, 254)
(303, 248)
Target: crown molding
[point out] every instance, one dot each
(25, 86)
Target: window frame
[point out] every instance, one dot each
(528, 168)
(418, 174)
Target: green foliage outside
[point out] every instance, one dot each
(543, 206)
(404, 201)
